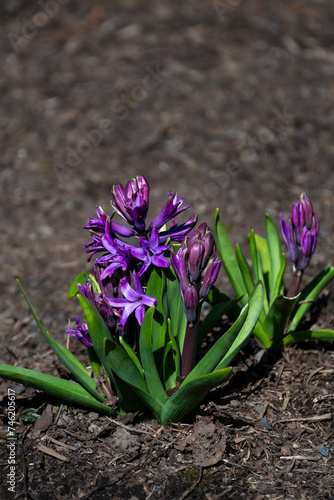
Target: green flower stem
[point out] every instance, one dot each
(295, 285)
(188, 353)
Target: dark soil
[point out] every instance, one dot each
(237, 115)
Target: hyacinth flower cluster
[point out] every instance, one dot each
(300, 233)
(120, 271)
(142, 305)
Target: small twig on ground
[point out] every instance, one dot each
(128, 428)
(27, 493)
(315, 418)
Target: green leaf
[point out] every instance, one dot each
(257, 258)
(82, 279)
(120, 362)
(310, 293)
(229, 260)
(279, 285)
(94, 361)
(159, 325)
(173, 305)
(278, 317)
(172, 360)
(69, 360)
(132, 355)
(168, 367)
(218, 297)
(154, 384)
(127, 371)
(209, 362)
(98, 332)
(245, 270)
(254, 310)
(57, 387)
(294, 337)
(275, 254)
(213, 316)
(188, 396)
(97, 328)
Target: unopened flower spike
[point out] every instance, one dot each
(300, 233)
(197, 267)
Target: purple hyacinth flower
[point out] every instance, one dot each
(81, 333)
(132, 202)
(118, 257)
(134, 300)
(169, 212)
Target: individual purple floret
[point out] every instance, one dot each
(134, 300)
(81, 332)
(169, 212)
(197, 268)
(300, 233)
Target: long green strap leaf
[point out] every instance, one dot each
(66, 357)
(209, 362)
(294, 337)
(257, 258)
(310, 293)
(120, 362)
(245, 270)
(159, 324)
(255, 308)
(228, 259)
(154, 384)
(278, 317)
(275, 253)
(57, 387)
(173, 305)
(188, 396)
(81, 278)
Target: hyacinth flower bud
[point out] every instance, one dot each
(308, 242)
(180, 265)
(190, 301)
(132, 202)
(209, 276)
(302, 215)
(196, 254)
(289, 235)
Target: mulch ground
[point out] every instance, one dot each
(241, 119)
(261, 436)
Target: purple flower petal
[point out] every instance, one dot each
(169, 212)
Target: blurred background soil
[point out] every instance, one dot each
(229, 103)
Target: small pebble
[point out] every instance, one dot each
(235, 403)
(323, 450)
(264, 424)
